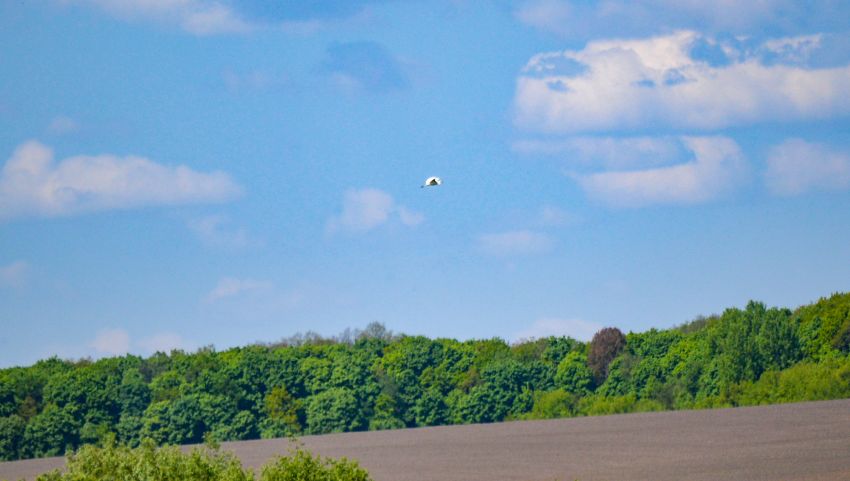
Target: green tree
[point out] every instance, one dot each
(11, 435)
(50, 433)
(573, 375)
(384, 416)
(155, 422)
(303, 466)
(128, 429)
(334, 410)
(431, 409)
(554, 404)
(8, 404)
(284, 413)
(777, 341)
(134, 393)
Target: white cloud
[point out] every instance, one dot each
(230, 287)
(111, 342)
(255, 80)
(32, 184)
(718, 166)
(117, 342)
(548, 15)
(659, 81)
(550, 215)
(796, 166)
(212, 19)
(216, 231)
(366, 209)
(63, 125)
(608, 152)
(575, 328)
(583, 19)
(796, 49)
(164, 342)
(409, 217)
(194, 16)
(14, 274)
(515, 242)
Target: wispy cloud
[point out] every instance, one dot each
(212, 17)
(164, 342)
(117, 342)
(363, 66)
(228, 287)
(366, 209)
(62, 124)
(549, 215)
(198, 17)
(32, 184)
(518, 242)
(603, 151)
(670, 81)
(583, 19)
(111, 342)
(796, 166)
(717, 168)
(575, 328)
(253, 80)
(218, 231)
(15, 274)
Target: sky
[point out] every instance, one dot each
(183, 173)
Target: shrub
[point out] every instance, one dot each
(303, 466)
(602, 405)
(148, 462)
(803, 382)
(554, 404)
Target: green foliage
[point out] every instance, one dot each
(303, 466)
(803, 382)
(823, 326)
(554, 404)
(11, 434)
(148, 462)
(751, 341)
(50, 433)
(629, 403)
(573, 375)
(8, 406)
(385, 414)
(334, 410)
(284, 410)
(373, 379)
(431, 409)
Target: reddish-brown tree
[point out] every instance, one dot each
(604, 347)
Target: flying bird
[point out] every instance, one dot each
(432, 181)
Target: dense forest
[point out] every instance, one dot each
(372, 379)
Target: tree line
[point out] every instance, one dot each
(374, 379)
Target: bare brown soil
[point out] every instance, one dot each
(804, 441)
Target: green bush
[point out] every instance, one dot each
(303, 466)
(147, 462)
(804, 382)
(602, 405)
(554, 404)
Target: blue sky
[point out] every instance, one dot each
(179, 173)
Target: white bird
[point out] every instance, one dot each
(431, 181)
